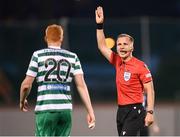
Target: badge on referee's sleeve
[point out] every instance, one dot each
(127, 76)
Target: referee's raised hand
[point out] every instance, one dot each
(99, 15)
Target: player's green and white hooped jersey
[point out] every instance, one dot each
(54, 69)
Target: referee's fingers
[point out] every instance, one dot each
(148, 123)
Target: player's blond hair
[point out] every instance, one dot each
(53, 33)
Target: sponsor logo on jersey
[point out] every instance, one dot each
(58, 87)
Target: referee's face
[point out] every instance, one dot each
(124, 47)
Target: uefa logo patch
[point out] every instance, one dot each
(127, 76)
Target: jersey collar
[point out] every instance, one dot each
(54, 47)
(129, 61)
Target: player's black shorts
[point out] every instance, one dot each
(130, 119)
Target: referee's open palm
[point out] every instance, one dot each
(99, 15)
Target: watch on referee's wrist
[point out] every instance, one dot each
(150, 111)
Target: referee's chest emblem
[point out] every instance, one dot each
(127, 76)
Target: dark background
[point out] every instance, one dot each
(22, 25)
(55, 9)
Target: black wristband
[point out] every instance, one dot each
(100, 25)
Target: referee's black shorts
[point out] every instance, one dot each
(130, 119)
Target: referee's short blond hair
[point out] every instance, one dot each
(126, 35)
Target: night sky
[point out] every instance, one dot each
(53, 9)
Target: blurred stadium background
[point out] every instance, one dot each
(155, 25)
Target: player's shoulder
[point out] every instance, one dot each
(39, 51)
(68, 52)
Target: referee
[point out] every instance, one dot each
(133, 78)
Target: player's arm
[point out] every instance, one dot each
(100, 34)
(84, 94)
(149, 89)
(24, 92)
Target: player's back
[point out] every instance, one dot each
(55, 69)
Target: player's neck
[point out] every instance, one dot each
(54, 44)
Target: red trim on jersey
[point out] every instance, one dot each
(130, 77)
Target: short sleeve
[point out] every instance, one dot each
(33, 66)
(145, 74)
(77, 66)
(115, 59)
